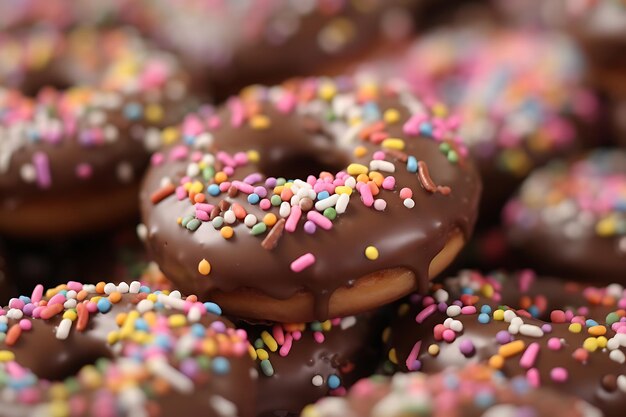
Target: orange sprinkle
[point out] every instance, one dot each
(13, 334)
(373, 187)
(597, 330)
(83, 317)
(227, 232)
(199, 198)
(362, 178)
(115, 297)
(100, 287)
(270, 219)
(286, 194)
(82, 295)
(51, 311)
(240, 212)
(220, 177)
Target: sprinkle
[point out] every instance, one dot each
(303, 262)
(559, 374)
(63, 331)
(274, 235)
(162, 193)
(393, 143)
(204, 267)
(511, 349)
(371, 253)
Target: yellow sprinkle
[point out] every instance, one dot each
(433, 350)
(310, 411)
(179, 220)
(269, 341)
(440, 110)
(59, 408)
(270, 219)
(327, 91)
(403, 309)
(391, 116)
(196, 187)
(575, 328)
(260, 122)
(590, 344)
(253, 156)
(597, 330)
(343, 189)
(278, 189)
(209, 347)
(356, 169)
(169, 135)
(70, 314)
(326, 325)
(393, 356)
(152, 297)
(154, 112)
(141, 338)
(90, 377)
(6, 356)
(496, 362)
(129, 324)
(371, 253)
(511, 348)
(517, 162)
(112, 338)
(252, 352)
(227, 232)
(386, 334)
(177, 320)
(498, 315)
(393, 143)
(487, 290)
(262, 354)
(360, 151)
(204, 267)
(602, 341)
(606, 227)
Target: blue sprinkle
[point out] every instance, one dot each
(159, 305)
(3, 327)
(520, 385)
(484, 399)
(189, 139)
(24, 299)
(371, 112)
(214, 190)
(104, 305)
(411, 164)
(253, 198)
(145, 289)
(483, 318)
(323, 195)
(334, 382)
(451, 382)
(141, 325)
(162, 341)
(590, 323)
(485, 309)
(198, 330)
(426, 129)
(213, 308)
(133, 111)
(220, 365)
(467, 291)
(534, 311)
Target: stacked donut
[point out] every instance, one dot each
(309, 236)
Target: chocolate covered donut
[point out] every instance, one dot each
(121, 350)
(473, 391)
(576, 348)
(571, 217)
(301, 363)
(319, 198)
(76, 149)
(519, 95)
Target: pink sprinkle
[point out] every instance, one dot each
(83, 171)
(379, 155)
(526, 279)
(286, 347)
(293, 219)
(302, 262)
(412, 363)
(286, 103)
(224, 186)
(42, 169)
(378, 137)
(279, 334)
(181, 193)
(16, 303)
(226, 159)
(178, 153)
(243, 187)
(449, 335)
(26, 324)
(406, 193)
(366, 195)
(37, 294)
(320, 220)
(554, 343)
(532, 376)
(92, 307)
(204, 207)
(389, 183)
(530, 355)
(253, 178)
(265, 204)
(309, 227)
(241, 158)
(57, 299)
(214, 122)
(559, 374)
(425, 313)
(468, 310)
(237, 112)
(319, 337)
(74, 286)
(202, 215)
(15, 370)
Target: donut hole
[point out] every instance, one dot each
(293, 165)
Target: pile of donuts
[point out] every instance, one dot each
(320, 208)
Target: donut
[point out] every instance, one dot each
(261, 206)
(577, 350)
(301, 363)
(76, 152)
(121, 350)
(571, 217)
(230, 45)
(519, 94)
(473, 391)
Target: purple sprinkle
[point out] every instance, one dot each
(503, 337)
(309, 227)
(467, 347)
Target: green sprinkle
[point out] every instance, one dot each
(217, 222)
(258, 344)
(280, 181)
(453, 156)
(267, 368)
(208, 173)
(193, 225)
(330, 213)
(186, 220)
(612, 318)
(444, 147)
(258, 228)
(316, 326)
(203, 362)
(276, 200)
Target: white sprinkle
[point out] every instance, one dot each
(194, 314)
(144, 306)
(509, 315)
(453, 311)
(621, 383)
(134, 288)
(618, 356)
(350, 182)
(250, 220)
(176, 294)
(193, 170)
(223, 407)
(408, 203)
(123, 288)
(132, 401)
(612, 344)
(285, 209)
(63, 331)
(531, 330)
(317, 380)
(71, 303)
(15, 314)
(441, 295)
(342, 203)
(327, 202)
(229, 217)
(385, 166)
(347, 322)
(173, 302)
(177, 380)
(203, 140)
(457, 326)
(380, 204)
(110, 288)
(28, 173)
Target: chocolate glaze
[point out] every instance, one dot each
(62, 359)
(348, 351)
(555, 242)
(404, 237)
(460, 393)
(587, 380)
